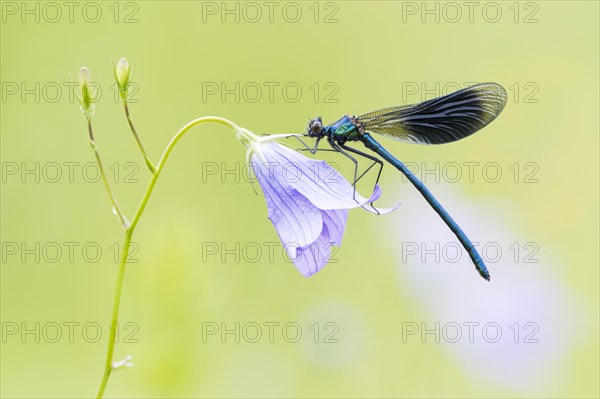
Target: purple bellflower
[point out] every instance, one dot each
(308, 200)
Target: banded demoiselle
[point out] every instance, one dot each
(437, 121)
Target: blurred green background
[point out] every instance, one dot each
(346, 57)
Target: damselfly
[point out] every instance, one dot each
(437, 121)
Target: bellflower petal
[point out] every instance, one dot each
(307, 200)
(312, 178)
(312, 258)
(374, 197)
(335, 221)
(324, 186)
(297, 221)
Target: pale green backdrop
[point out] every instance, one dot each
(346, 57)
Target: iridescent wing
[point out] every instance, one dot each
(440, 120)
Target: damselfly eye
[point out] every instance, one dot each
(315, 127)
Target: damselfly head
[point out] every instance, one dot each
(315, 127)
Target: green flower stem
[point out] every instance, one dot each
(129, 232)
(122, 219)
(115, 313)
(137, 138)
(167, 152)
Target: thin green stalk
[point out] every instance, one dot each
(117, 210)
(115, 314)
(167, 152)
(137, 138)
(108, 367)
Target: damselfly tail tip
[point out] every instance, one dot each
(486, 276)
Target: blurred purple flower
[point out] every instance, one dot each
(308, 202)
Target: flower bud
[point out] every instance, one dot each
(84, 76)
(123, 75)
(88, 93)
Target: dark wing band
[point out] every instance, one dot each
(440, 120)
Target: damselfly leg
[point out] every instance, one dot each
(339, 149)
(306, 147)
(375, 161)
(343, 149)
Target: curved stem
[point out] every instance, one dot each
(116, 209)
(108, 367)
(166, 154)
(137, 138)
